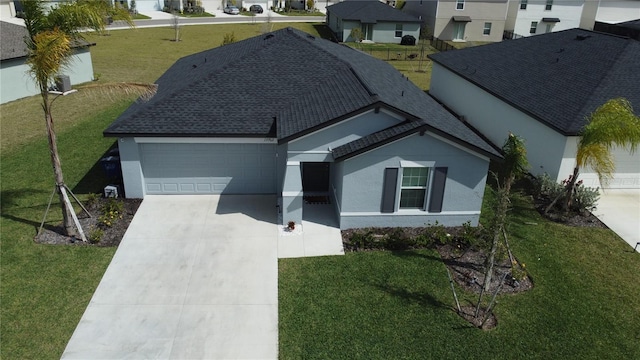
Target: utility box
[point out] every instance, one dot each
(63, 83)
(111, 191)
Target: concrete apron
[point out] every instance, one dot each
(195, 277)
(619, 209)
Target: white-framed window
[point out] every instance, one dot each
(549, 5)
(458, 30)
(398, 30)
(487, 29)
(534, 27)
(413, 187)
(459, 4)
(523, 4)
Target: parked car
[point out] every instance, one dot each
(256, 9)
(231, 10)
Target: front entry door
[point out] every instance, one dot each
(315, 177)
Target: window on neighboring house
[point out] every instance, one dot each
(548, 29)
(413, 190)
(523, 4)
(534, 27)
(549, 5)
(487, 29)
(398, 30)
(459, 4)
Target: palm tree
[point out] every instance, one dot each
(613, 124)
(515, 166)
(51, 35)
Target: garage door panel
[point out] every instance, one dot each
(209, 168)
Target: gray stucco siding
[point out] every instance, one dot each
(360, 191)
(346, 131)
(384, 32)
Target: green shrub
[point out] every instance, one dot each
(111, 212)
(438, 233)
(95, 235)
(584, 198)
(229, 38)
(398, 240)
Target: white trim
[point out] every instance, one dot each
(203, 140)
(458, 146)
(323, 152)
(292, 193)
(408, 213)
(293, 163)
(408, 164)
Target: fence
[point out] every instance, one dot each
(441, 45)
(510, 35)
(394, 53)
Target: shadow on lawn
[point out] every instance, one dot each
(10, 201)
(423, 299)
(94, 181)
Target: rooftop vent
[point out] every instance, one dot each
(582, 37)
(268, 37)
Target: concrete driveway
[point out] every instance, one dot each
(195, 277)
(619, 209)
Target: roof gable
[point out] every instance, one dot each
(369, 12)
(558, 78)
(283, 84)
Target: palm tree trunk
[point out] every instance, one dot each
(571, 187)
(498, 228)
(67, 221)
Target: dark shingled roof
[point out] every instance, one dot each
(374, 140)
(369, 12)
(558, 78)
(284, 84)
(12, 45)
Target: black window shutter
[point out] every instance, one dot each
(389, 190)
(437, 190)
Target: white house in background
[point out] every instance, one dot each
(16, 82)
(543, 88)
(617, 11)
(461, 20)
(531, 17)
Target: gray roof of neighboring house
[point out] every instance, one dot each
(558, 78)
(284, 84)
(369, 12)
(632, 24)
(12, 45)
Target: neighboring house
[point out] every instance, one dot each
(461, 20)
(531, 17)
(14, 72)
(617, 11)
(543, 88)
(354, 131)
(379, 22)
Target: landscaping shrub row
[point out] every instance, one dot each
(398, 238)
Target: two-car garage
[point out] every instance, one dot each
(208, 168)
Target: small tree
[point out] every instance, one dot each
(311, 5)
(229, 38)
(356, 34)
(175, 24)
(612, 124)
(515, 166)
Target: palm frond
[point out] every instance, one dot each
(613, 124)
(50, 52)
(143, 91)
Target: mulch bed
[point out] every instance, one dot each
(112, 235)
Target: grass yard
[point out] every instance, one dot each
(398, 305)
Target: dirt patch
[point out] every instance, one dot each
(111, 235)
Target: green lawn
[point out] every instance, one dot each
(384, 305)
(360, 305)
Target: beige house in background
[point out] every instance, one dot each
(461, 20)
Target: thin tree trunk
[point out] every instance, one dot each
(571, 189)
(69, 228)
(500, 218)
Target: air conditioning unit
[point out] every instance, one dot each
(63, 83)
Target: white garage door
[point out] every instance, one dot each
(627, 172)
(209, 168)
